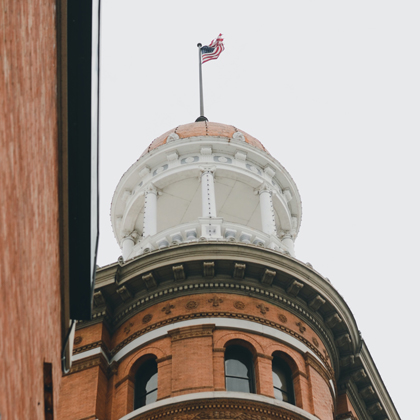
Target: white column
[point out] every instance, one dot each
(128, 244)
(288, 242)
(150, 211)
(208, 195)
(268, 221)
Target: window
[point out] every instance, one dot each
(282, 381)
(146, 384)
(239, 370)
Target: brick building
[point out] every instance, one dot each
(208, 314)
(45, 124)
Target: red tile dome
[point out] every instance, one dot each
(204, 128)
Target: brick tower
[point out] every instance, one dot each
(208, 314)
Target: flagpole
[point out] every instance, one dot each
(201, 117)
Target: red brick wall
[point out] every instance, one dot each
(190, 360)
(30, 313)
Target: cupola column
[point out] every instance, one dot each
(128, 243)
(208, 195)
(287, 241)
(150, 211)
(268, 221)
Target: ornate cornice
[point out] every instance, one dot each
(220, 409)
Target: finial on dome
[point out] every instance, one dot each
(201, 118)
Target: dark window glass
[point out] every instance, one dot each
(282, 381)
(239, 370)
(146, 384)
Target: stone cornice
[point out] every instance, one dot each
(220, 405)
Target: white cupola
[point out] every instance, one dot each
(205, 181)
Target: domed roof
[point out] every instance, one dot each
(204, 128)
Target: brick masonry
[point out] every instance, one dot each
(30, 313)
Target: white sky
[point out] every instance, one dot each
(332, 90)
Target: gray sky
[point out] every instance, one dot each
(331, 88)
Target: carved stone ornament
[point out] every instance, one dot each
(149, 281)
(127, 329)
(215, 300)
(238, 136)
(78, 340)
(147, 318)
(294, 288)
(168, 308)
(263, 309)
(239, 305)
(315, 341)
(208, 269)
(282, 318)
(239, 271)
(192, 304)
(179, 273)
(302, 328)
(172, 137)
(268, 277)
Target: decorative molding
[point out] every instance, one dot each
(359, 375)
(268, 277)
(239, 305)
(347, 361)
(302, 328)
(191, 332)
(208, 269)
(294, 288)
(333, 320)
(192, 304)
(147, 318)
(98, 299)
(222, 408)
(216, 300)
(367, 392)
(311, 361)
(316, 302)
(124, 293)
(343, 340)
(239, 271)
(346, 416)
(168, 308)
(263, 309)
(256, 319)
(149, 281)
(179, 273)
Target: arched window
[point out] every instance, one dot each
(146, 384)
(282, 381)
(239, 371)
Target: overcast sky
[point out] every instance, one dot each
(332, 90)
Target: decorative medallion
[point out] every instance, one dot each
(78, 340)
(263, 309)
(216, 300)
(192, 304)
(167, 308)
(282, 318)
(127, 329)
(239, 305)
(222, 159)
(189, 159)
(302, 328)
(315, 341)
(147, 318)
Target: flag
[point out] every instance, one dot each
(212, 51)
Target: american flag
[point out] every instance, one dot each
(212, 51)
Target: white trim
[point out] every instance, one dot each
(93, 352)
(220, 394)
(235, 324)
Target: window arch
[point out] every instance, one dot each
(239, 369)
(282, 381)
(146, 384)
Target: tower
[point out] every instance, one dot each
(208, 314)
